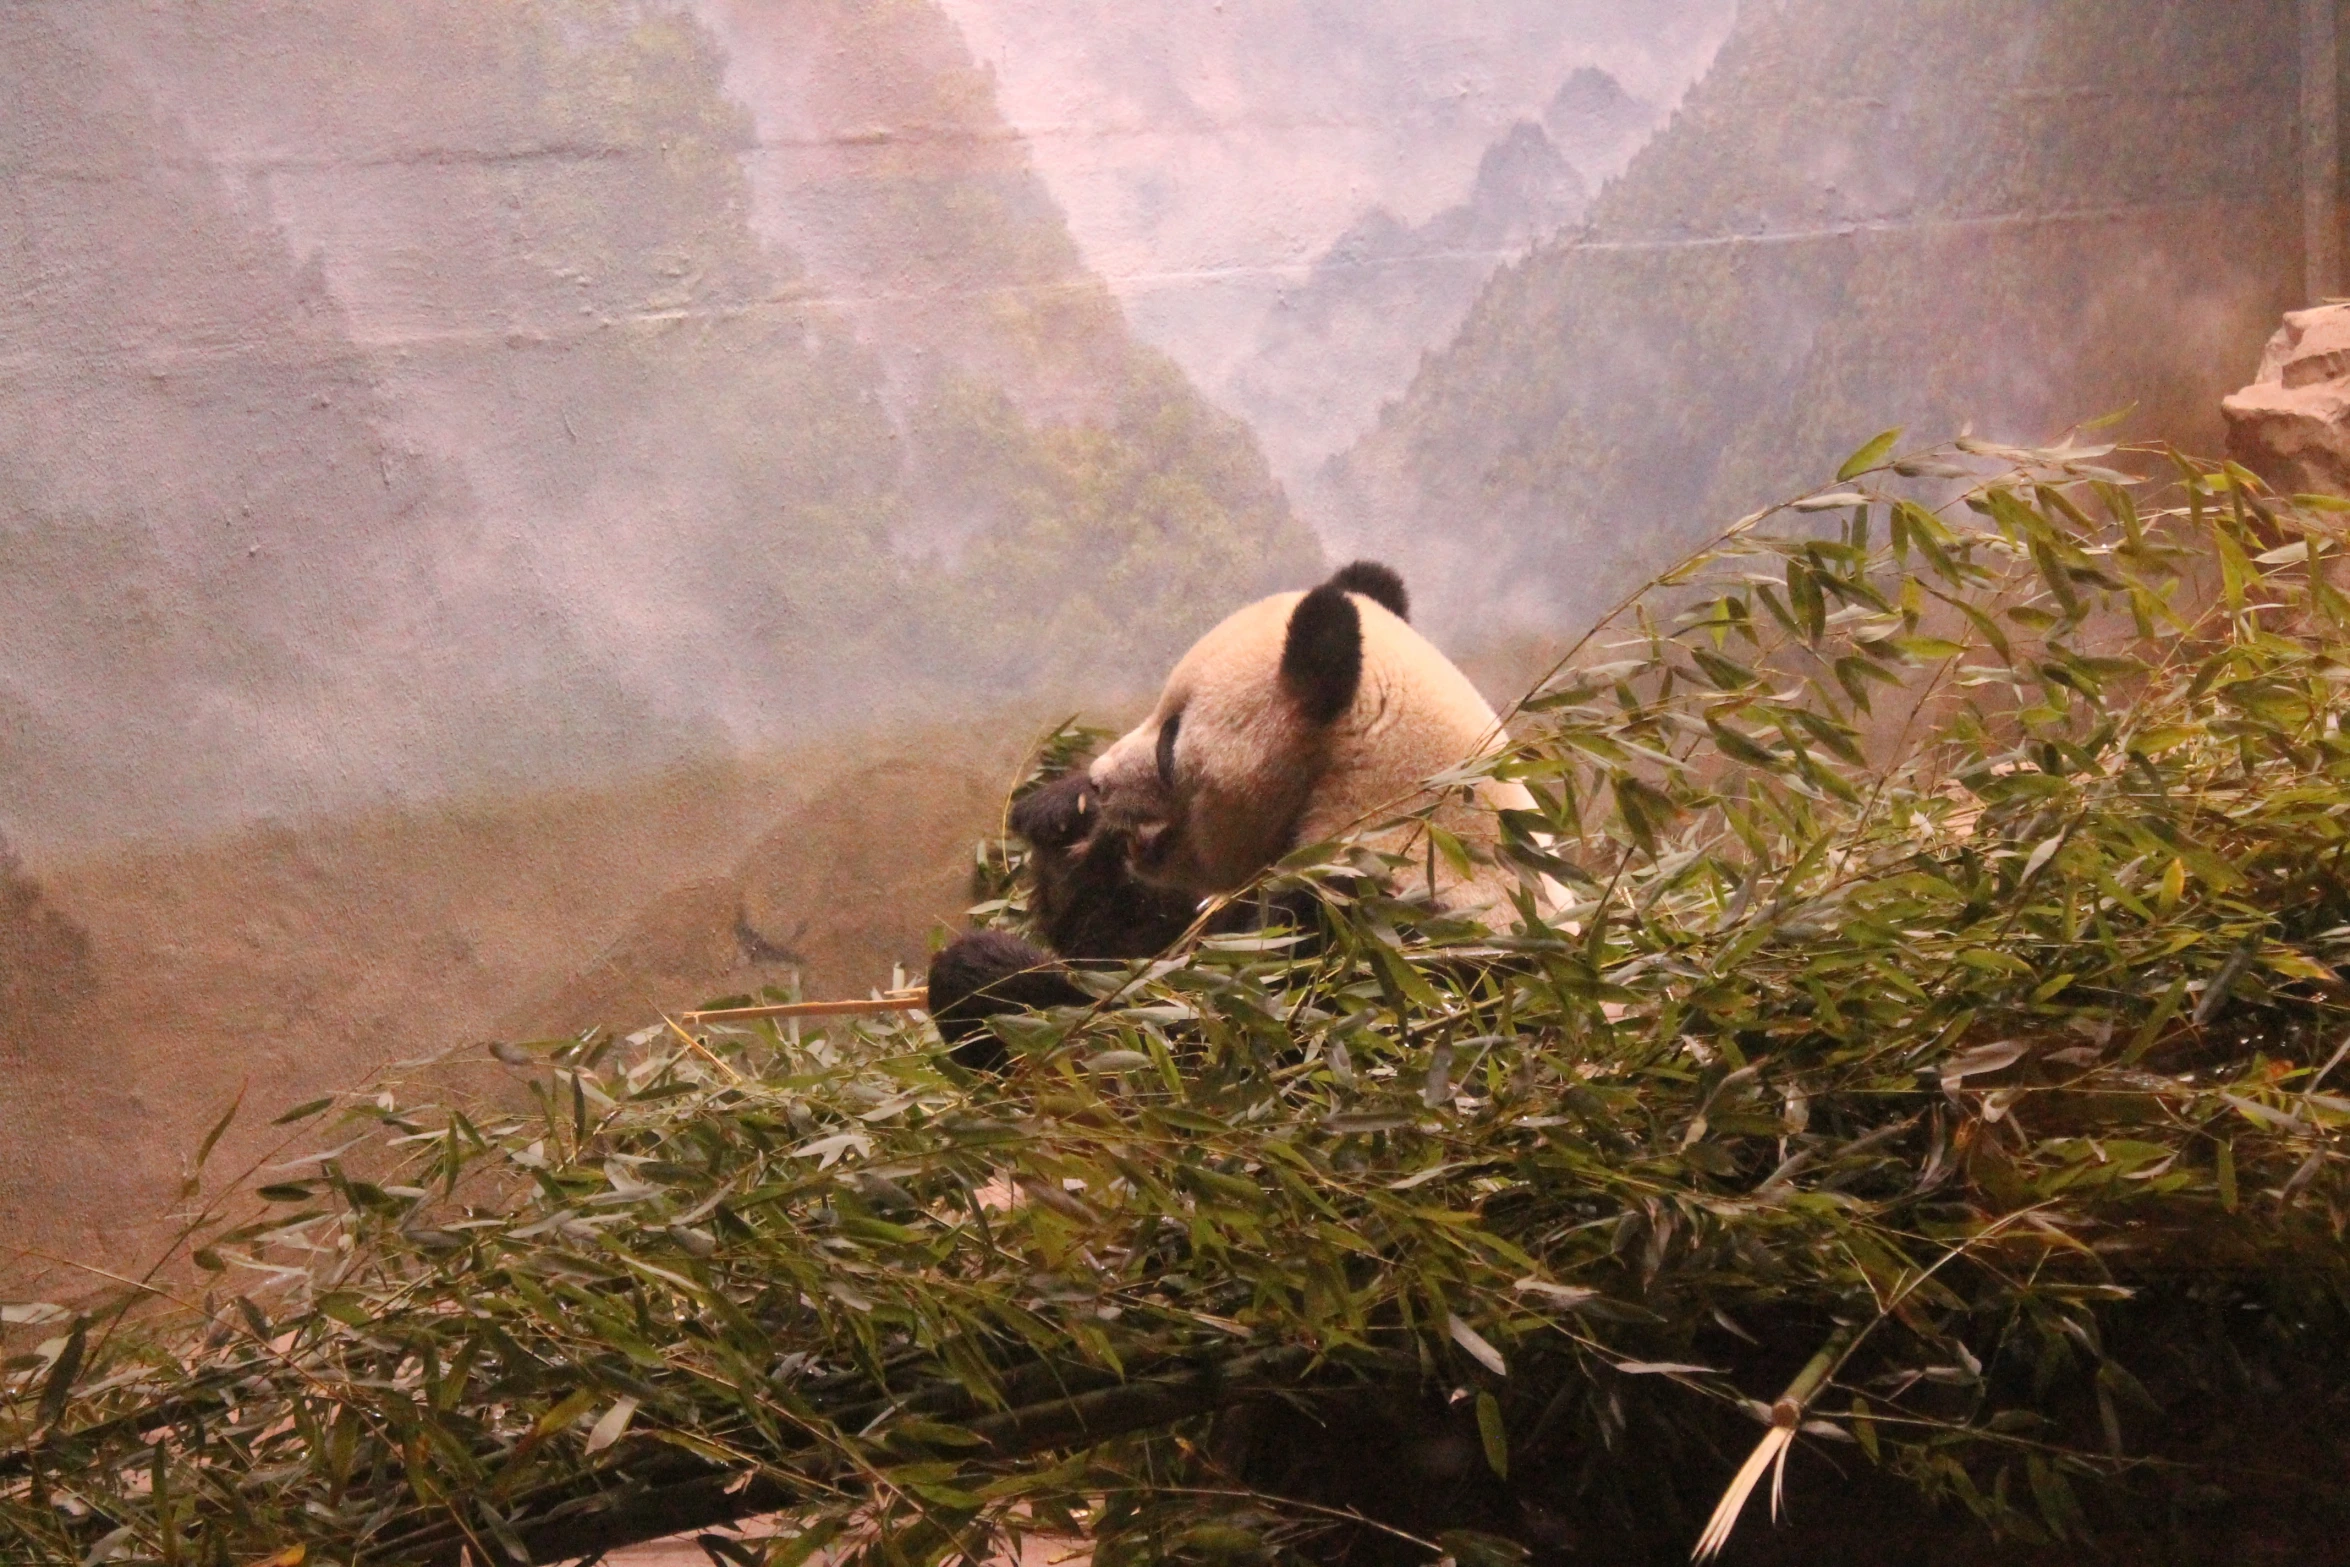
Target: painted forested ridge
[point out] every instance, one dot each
(2013, 214)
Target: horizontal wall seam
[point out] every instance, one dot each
(345, 350)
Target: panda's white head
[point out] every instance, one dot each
(1298, 718)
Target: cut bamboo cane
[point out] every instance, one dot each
(1771, 1452)
(901, 1001)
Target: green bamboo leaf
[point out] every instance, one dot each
(1807, 601)
(794, 1550)
(1871, 454)
(1644, 810)
(948, 1496)
(1493, 1435)
(212, 1137)
(1405, 979)
(1726, 674)
(57, 1387)
(2053, 573)
(1739, 748)
(1841, 739)
(2236, 573)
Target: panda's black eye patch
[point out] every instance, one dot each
(1167, 732)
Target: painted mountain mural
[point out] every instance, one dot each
(576, 388)
(2015, 214)
(507, 509)
(1333, 350)
(519, 514)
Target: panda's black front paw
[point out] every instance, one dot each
(1059, 814)
(977, 976)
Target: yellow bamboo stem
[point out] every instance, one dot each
(903, 1001)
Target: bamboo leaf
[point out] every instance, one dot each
(1493, 1435)
(1871, 454)
(1479, 1350)
(612, 1424)
(212, 1137)
(57, 1387)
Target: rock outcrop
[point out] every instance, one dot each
(2292, 424)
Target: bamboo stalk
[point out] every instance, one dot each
(1771, 1452)
(901, 1001)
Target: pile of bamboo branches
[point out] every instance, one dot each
(1940, 1045)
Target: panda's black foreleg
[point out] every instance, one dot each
(1088, 903)
(1089, 907)
(1055, 816)
(976, 977)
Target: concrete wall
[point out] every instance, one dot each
(516, 512)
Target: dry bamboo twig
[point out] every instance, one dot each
(898, 1001)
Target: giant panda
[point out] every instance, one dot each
(1298, 719)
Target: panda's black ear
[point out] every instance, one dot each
(1322, 654)
(1377, 583)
